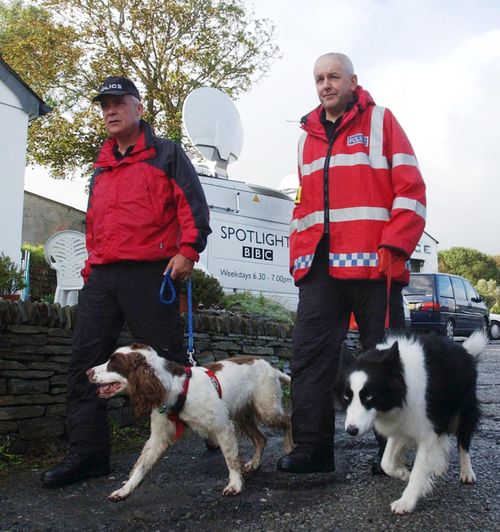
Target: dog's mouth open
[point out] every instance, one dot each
(109, 389)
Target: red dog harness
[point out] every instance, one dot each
(173, 413)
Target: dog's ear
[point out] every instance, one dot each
(392, 354)
(145, 388)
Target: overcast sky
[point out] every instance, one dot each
(434, 63)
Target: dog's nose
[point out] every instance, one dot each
(90, 373)
(352, 430)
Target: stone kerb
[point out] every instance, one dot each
(35, 346)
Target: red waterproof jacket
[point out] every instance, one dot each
(364, 191)
(149, 205)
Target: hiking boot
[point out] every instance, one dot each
(75, 467)
(308, 459)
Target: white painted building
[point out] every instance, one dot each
(18, 106)
(425, 257)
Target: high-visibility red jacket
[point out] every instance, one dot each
(365, 191)
(147, 206)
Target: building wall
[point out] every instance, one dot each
(427, 252)
(44, 217)
(13, 140)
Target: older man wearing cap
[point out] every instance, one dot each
(146, 214)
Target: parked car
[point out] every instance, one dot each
(495, 326)
(445, 303)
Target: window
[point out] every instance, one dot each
(471, 292)
(444, 286)
(420, 285)
(458, 288)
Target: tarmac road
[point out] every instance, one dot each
(184, 490)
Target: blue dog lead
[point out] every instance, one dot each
(167, 281)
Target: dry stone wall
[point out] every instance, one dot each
(35, 347)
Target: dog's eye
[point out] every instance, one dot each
(369, 398)
(346, 397)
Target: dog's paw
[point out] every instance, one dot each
(468, 477)
(398, 472)
(118, 495)
(231, 489)
(251, 466)
(402, 506)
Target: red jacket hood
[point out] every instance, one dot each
(311, 123)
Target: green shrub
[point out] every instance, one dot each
(11, 277)
(259, 306)
(206, 289)
(490, 292)
(43, 279)
(7, 458)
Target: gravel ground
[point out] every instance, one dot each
(184, 490)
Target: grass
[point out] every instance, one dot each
(130, 437)
(122, 439)
(7, 458)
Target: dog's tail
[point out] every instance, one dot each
(476, 343)
(283, 377)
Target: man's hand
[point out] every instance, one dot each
(180, 266)
(395, 259)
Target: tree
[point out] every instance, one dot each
(170, 47)
(490, 292)
(468, 263)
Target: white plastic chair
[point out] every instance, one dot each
(66, 253)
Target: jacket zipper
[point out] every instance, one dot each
(326, 198)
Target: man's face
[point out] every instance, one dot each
(121, 114)
(334, 85)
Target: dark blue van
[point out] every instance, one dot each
(445, 303)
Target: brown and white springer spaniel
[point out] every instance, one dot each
(251, 393)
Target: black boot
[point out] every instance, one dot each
(75, 467)
(307, 458)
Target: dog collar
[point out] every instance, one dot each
(174, 411)
(181, 399)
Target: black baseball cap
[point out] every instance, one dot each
(117, 86)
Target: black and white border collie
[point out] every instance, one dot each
(415, 391)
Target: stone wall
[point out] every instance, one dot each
(35, 346)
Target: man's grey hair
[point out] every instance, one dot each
(342, 59)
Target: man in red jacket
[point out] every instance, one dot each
(147, 213)
(359, 213)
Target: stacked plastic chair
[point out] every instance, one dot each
(66, 253)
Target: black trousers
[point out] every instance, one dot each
(114, 294)
(325, 305)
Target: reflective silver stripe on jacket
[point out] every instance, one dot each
(411, 205)
(400, 159)
(374, 158)
(300, 150)
(349, 214)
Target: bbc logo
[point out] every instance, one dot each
(250, 252)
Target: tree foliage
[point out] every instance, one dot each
(468, 263)
(490, 292)
(169, 47)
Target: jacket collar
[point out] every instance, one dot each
(143, 149)
(312, 124)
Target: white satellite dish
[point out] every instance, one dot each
(213, 125)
